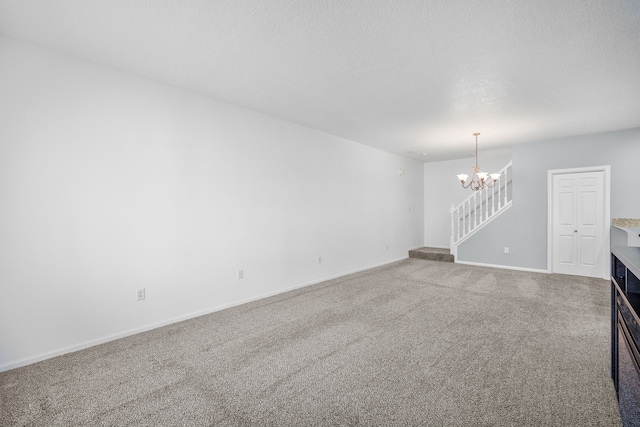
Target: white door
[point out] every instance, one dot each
(578, 224)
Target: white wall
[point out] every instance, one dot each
(110, 183)
(442, 189)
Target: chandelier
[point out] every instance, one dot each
(479, 179)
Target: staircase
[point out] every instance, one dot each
(480, 208)
(433, 254)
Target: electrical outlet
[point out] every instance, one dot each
(319, 260)
(240, 274)
(140, 294)
(506, 249)
(387, 247)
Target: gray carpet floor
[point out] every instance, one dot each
(410, 344)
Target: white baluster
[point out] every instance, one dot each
(510, 174)
(477, 209)
(486, 204)
(468, 217)
(464, 219)
(460, 220)
(500, 192)
(451, 236)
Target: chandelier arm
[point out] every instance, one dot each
(472, 182)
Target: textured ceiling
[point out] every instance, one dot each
(403, 76)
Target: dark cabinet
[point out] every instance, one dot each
(625, 340)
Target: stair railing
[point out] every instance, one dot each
(480, 208)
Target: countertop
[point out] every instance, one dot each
(629, 256)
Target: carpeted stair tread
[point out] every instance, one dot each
(432, 254)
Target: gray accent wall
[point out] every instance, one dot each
(524, 227)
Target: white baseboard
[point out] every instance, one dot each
(505, 267)
(123, 334)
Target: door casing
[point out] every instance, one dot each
(605, 269)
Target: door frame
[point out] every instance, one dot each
(607, 212)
